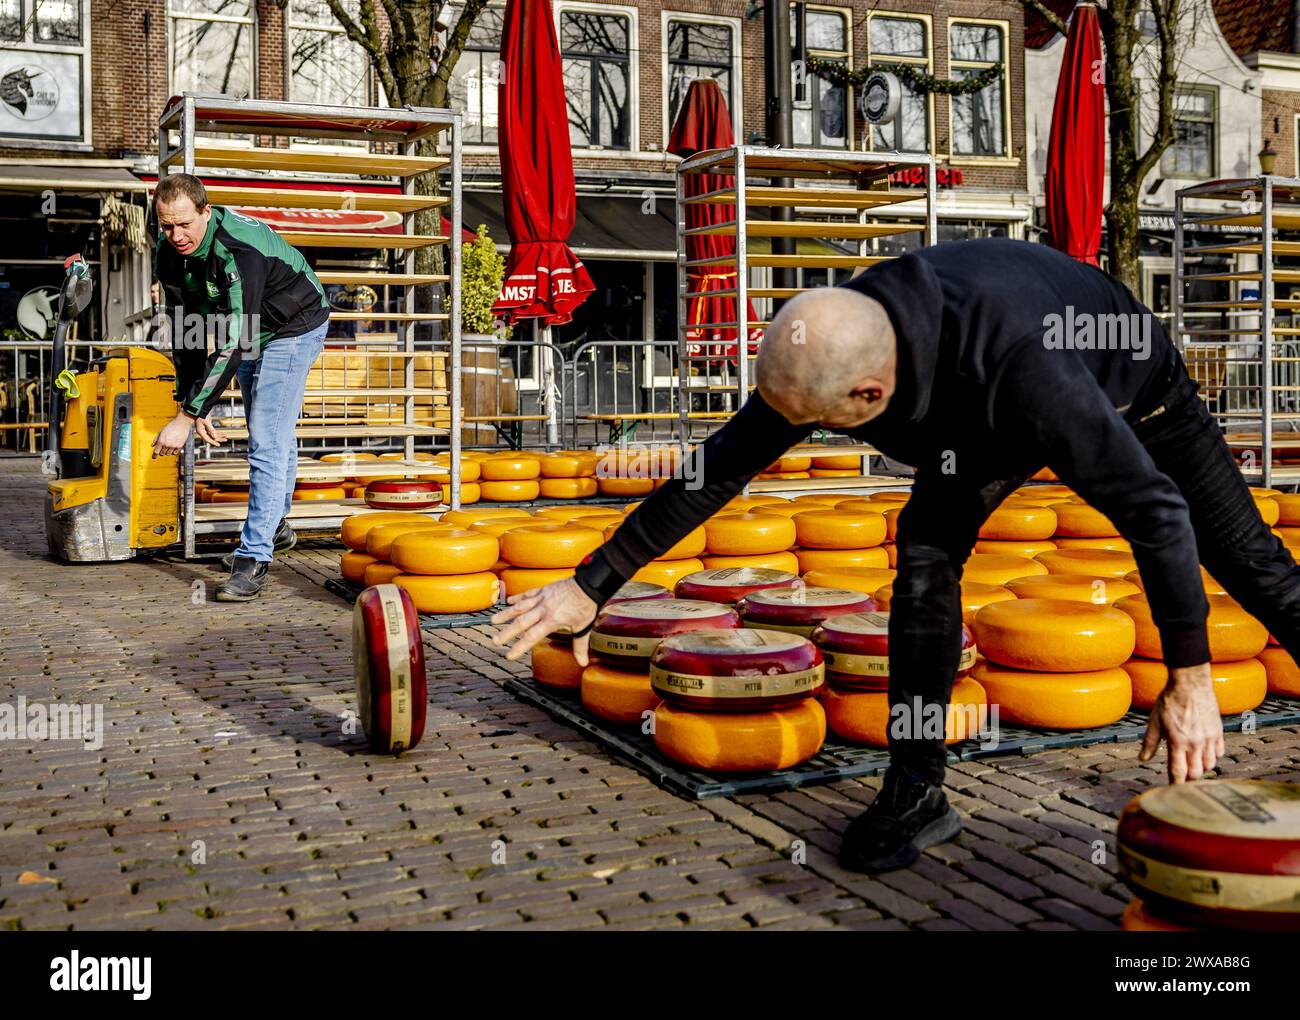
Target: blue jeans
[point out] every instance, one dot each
(273, 386)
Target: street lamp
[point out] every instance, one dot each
(1267, 158)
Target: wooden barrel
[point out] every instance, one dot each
(487, 388)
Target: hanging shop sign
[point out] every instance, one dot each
(881, 94)
(41, 95)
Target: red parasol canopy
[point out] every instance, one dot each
(1077, 147)
(543, 278)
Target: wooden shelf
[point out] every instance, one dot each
(803, 228)
(320, 471)
(1279, 276)
(797, 261)
(300, 198)
(357, 239)
(1283, 219)
(380, 279)
(303, 161)
(1244, 248)
(811, 198)
(868, 482)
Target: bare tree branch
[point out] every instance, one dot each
(350, 27)
(1166, 18)
(1049, 16)
(451, 53)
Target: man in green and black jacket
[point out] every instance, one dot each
(231, 277)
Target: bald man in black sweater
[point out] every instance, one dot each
(979, 363)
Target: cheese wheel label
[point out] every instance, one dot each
(759, 686)
(672, 609)
(615, 644)
(732, 641)
(801, 595)
(399, 669)
(727, 576)
(1203, 888)
(871, 624)
(1251, 809)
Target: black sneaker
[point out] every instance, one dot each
(285, 539)
(246, 581)
(908, 815)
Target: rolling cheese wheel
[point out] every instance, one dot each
(1238, 686)
(668, 572)
(1026, 549)
(1099, 591)
(855, 647)
(741, 741)
(1054, 635)
(403, 495)
(438, 551)
(510, 491)
(735, 670)
(549, 546)
(624, 487)
(834, 559)
(1114, 544)
(1138, 916)
(567, 488)
(974, 597)
(800, 609)
(1097, 562)
(568, 465)
(555, 666)
(353, 532)
(517, 580)
(451, 593)
(1283, 675)
(1056, 701)
(379, 572)
(785, 562)
(506, 467)
(839, 529)
(616, 695)
(868, 580)
(1234, 634)
(388, 667)
(990, 568)
(627, 633)
(731, 584)
(352, 566)
(1288, 505)
(1222, 852)
(1013, 523)
(862, 716)
(465, 518)
(380, 539)
(1076, 519)
(748, 534)
(1268, 509)
(319, 495)
(838, 462)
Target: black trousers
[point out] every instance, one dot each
(1232, 541)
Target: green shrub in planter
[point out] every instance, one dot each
(482, 270)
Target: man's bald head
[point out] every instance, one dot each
(828, 357)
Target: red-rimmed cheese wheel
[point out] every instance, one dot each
(417, 495)
(388, 665)
(800, 609)
(731, 584)
(627, 633)
(1238, 686)
(741, 741)
(735, 670)
(1223, 852)
(862, 716)
(855, 647)
(554, 665)
(622, 697)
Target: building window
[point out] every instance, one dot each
(596, 49)
(978, 119)
(821, 113)
(43, 60)
(212, 47)
(698, 50)
(1192, 152)
(325, 66)
(902, 41)
(475, 79)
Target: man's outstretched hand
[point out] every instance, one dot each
(1186, 714)
(534, 615)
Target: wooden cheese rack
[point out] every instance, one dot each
(186, 141)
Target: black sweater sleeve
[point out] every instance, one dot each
(714, 473)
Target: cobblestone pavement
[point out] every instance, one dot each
(225, 794)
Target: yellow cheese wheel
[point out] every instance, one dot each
(835, 473)
(787, 509)
(499, 527)
(1290, 537)
(320, 495)
(450, 593)
(348, 455)
(891, 522)
(423, 456)
(839, 462)
(1288, 505)
(554, 665)
(352, 565)
(549, 546)
(470, 492)
(1114, 544)
(380, 539)
(1054, 635)
(1100, 591)
(668, 572)
(993, 568)
(506, 467)
(839, 529)
(1212, 587)
(863, 716)
(786, 561)
(785, 476)
(744, 503)
(1011, 522)
(791, 462)
(511, 491)
(1283, 675)
(1076, 519)
(567, 488)
(741, 741)
(748, 534)
(1028, 548)
(891, 550)
(617, 696)
(974, 597)
(379, 572)
(225, 496)
(521, 579)
(568, 465)
(811, 500)
(355, 527)
(624, 487)
(1043, 491)
(450, 551)
(1261, 493)
(888, 496)
(1268, 510)
(863, 579)
(499, 566)
(1234, 634)
(1238, 686)
(470, 470)
(465, 518)
(1056, 701)
(1098, 562)
(834, 559)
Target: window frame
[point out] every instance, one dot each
(333, 28)
(633, 73)
(927, 64)
(251, 21)
(83, 50)
(850, 118)
(1008, 140)
(737, 68)
(1215, 133)
(467, 145)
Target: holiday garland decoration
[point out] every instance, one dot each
(913, 77)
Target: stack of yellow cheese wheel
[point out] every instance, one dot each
(750, 539)
(1018, 528)
(355, 531)
(510, 477)
(789, 468)
(542, 553)
(832, 538)
(446, 569)
(568, 474)
(632, 472)
(1054, 663)
(1080, 526)
(974, 596)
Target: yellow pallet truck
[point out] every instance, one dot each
(109, 498)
